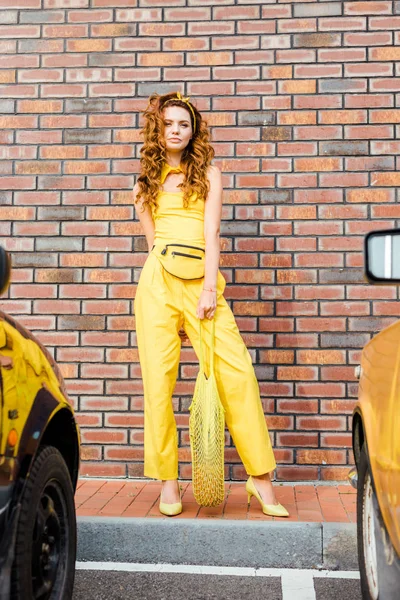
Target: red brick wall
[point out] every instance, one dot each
(302, 99)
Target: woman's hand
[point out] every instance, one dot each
(206, 305)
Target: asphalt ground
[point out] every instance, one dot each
(152, 585)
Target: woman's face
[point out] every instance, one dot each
(177, 128)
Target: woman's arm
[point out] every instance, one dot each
(145, 218)
(212, 219)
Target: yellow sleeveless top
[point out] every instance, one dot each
(175, 223)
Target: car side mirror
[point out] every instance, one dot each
(5, 270)
(382, 256)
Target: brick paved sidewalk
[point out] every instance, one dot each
(137, 498)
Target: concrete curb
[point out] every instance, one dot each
(218, 542)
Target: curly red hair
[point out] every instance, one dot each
(196, 157)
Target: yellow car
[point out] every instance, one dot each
(39, 463)
(376, 437)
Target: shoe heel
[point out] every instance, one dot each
(248, 498)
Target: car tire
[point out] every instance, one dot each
(366, 541)
(45, 550)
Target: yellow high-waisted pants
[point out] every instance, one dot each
(163, 305)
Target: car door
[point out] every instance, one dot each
(394, 472)
(380, 401)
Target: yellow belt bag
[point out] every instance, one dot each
(181, 260)
(207, 434)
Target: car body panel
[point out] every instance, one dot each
(379, 405)
(32, 369)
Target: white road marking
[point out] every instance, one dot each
(166, 568)
(337, 574)
(296, 575)
(299, 585)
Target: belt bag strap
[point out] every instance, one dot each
(182, 261)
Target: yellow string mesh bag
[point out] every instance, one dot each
(207, 434)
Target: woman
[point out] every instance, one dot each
(179, 200)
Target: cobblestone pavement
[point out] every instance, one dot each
(315, 502)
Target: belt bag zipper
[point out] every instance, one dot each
(164, 251)
(188, 255)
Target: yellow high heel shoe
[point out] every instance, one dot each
(171, 510)
(273, 510)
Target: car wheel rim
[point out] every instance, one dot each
(49, 541)
(369, 543)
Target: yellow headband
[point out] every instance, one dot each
(186, 101)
